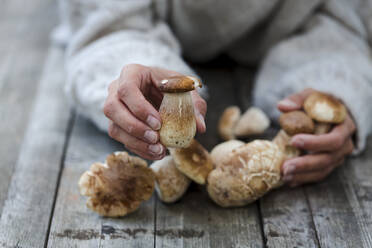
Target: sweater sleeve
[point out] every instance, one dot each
(104, 36)
(326, 56)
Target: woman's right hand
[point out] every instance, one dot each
(132, 106)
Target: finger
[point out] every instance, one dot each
(302, 178)
(309, 163)
(295, 101)
(134, 144)
(317, 161)
(324, 142)
(147, 156)
(131, 80)
(200, 108)
(121, 116)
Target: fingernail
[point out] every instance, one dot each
(298, 142)
(153, 122)
(156, 149)
(288, 169)
(287, 178)
(202, 121)
(288, 103)
(151, 136)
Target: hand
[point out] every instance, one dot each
(132, 106)
(325, 152)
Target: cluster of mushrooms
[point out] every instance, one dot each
(235, 173)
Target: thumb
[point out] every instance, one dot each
(200, 109)
(295, 101)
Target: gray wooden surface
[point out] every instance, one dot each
(45, 147)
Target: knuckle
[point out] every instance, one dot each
(123, 90)
(108, 108)
(131, 67)
(113, 131)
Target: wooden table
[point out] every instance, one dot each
(45, 147)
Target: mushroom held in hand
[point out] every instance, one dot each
(292, 123)
(228, 121)
(118, 186)
(248, 173)
(325, 110)
(253, 121)
(220, 151)
(170, 183)
(177, 111)
(193, 161)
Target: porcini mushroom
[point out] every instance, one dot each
(193, 161)
(220, 151)
(282, 139)
(292, 123)
(177, 111)
(325, 110)
(170, 183)
(228, 121)
(296, 122)
(118, 186)
(249, 172)
(253, 121)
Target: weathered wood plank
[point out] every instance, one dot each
(356, 177)
(73, 224)
(286, 216)
(342, 213)
(27, 209)
(23, 50)
(195, 221)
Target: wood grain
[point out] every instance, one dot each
(341, 210)
(23, 48)
(28, 206)
(73, 224)
(196, 221)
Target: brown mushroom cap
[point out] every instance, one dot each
(296, 122)
(170, 183)
(228, 121)
(325, 108)
(118, 186)
(193, 161)
(251, 171)
(178, 84)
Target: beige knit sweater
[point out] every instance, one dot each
(323, 44)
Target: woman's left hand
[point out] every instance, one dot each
(325, 151)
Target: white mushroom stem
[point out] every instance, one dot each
(178, 120)
(322, 128)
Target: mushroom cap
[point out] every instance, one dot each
(296, 122)
(282, 139)
(228, 121)
(118, 186)
(170, 183)
(193, 161)
(325, 108)
(249, 172)
(178, 84)
(220, 151)
(253, 121)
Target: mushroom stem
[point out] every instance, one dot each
(322, 128)
(178, 120)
